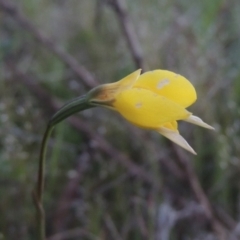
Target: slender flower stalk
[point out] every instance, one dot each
(75, 105)
(155, 100)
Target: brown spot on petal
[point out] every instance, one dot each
(162, 83)
(138, 105)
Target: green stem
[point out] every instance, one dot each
(75, 105)
(41, 166)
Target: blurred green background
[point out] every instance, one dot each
(91, 192)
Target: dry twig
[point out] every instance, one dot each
(120, 8)
(86, 77)
(202, 198)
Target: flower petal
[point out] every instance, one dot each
(168, 84)
(171, 125)
(106, 93)
(198, 121)
(147, 109)
(176, 138)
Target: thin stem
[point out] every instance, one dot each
(37, 195)
(41, 166)
(75, 105)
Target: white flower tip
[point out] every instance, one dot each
(176, 138)
(198, 121)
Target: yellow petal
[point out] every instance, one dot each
(106, 93)
(147, 109)
(168, 84)
(171, 125)
(176, 138)
(198, 121)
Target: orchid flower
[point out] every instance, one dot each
(154, 100)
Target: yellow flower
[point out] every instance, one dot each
(154, 100)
